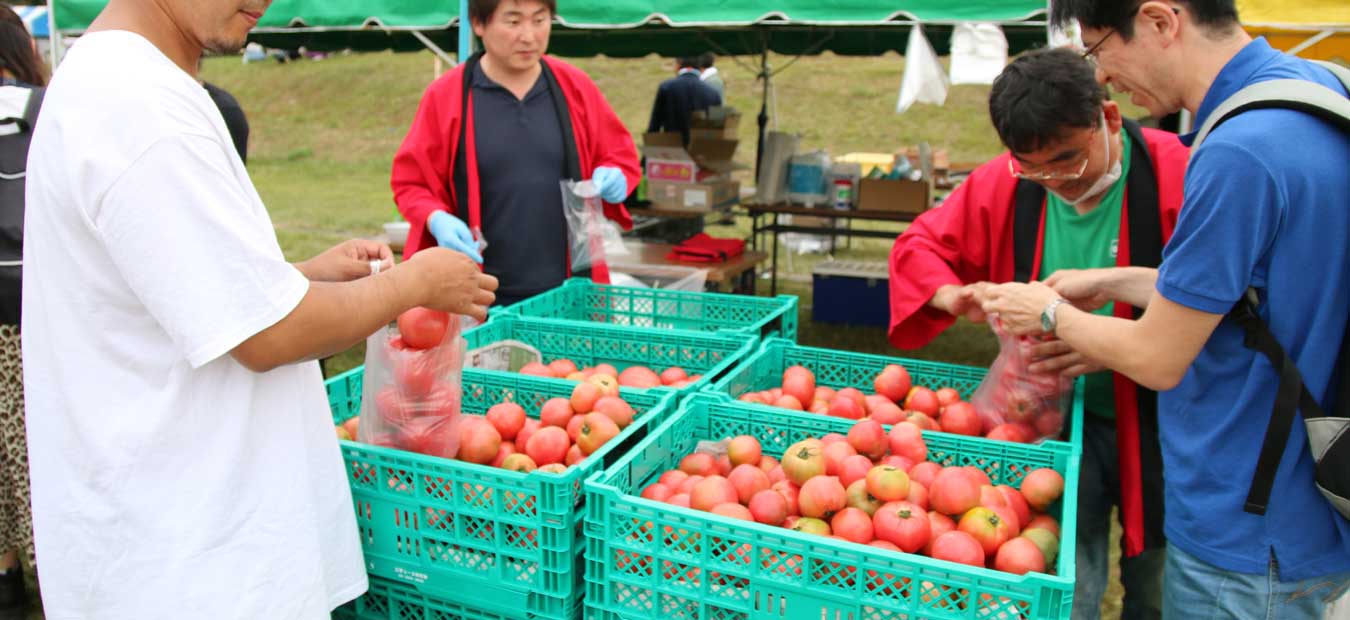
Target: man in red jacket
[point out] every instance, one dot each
(492, 139)
(1081, 188)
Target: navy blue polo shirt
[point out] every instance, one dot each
(1265, 206)
(520, 165)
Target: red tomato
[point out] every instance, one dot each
(423, 328)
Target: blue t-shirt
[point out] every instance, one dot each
(1266, 205)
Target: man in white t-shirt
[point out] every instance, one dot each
(183, 459)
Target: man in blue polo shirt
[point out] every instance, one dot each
(1265, 207)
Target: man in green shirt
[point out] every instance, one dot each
(1080, 188)
(1086, 235)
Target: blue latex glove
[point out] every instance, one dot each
(451, 232)
(611, 183)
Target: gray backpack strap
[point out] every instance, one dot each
(1300, 95)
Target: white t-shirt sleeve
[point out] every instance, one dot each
(189, 240)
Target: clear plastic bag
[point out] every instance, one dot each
(411, 397)
(1026, 404)
(590, 236)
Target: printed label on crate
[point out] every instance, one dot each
(410, 576)
(507, 355)
(715, 448)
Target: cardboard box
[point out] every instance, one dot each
(717, 122)
(706, 159)
(894, 195)
(695, 197)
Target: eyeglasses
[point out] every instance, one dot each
(1091, 54)
(1051, 175)
(1060, 173)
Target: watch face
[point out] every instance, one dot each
(1048, 318)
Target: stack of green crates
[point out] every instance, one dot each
(505, 545)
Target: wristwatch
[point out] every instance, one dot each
(1048, 323)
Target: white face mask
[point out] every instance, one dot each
(1104, 182)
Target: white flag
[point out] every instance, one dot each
(979, 53)
(924, 81)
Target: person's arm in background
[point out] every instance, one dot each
(421, 170)
(937, 265)
(612, 149)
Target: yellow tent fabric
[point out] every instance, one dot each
(1290, 23)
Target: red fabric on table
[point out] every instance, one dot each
(706, 249)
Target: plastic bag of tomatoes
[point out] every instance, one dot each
(1016, 404)
(411, 392)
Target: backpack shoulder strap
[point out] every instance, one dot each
(1291, 396)
(1301, 95)
(30, 115)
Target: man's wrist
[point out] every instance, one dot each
(942, 299)
(1050, 314)
(307, 269)
(1110, 282)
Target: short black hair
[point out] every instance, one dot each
(481, 11)
(1041, 96)
(689, 62)
(706, 60)
(1118, 15)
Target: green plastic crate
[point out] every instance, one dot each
(763, 370)
(589, 344)
(391, 600)
(579, 299)
(501, 542)
(706, 567)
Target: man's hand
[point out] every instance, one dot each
(347, 261)
(451, 232)
(611, 184)
(1090, 289)
(962, 301)
(450, 281)
(1019, 306)
(1085, 288)
(1056, 356)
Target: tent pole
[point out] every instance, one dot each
(764, 104)
(53, 34)
(465, 32)
(431, 45)
(1311, 41)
